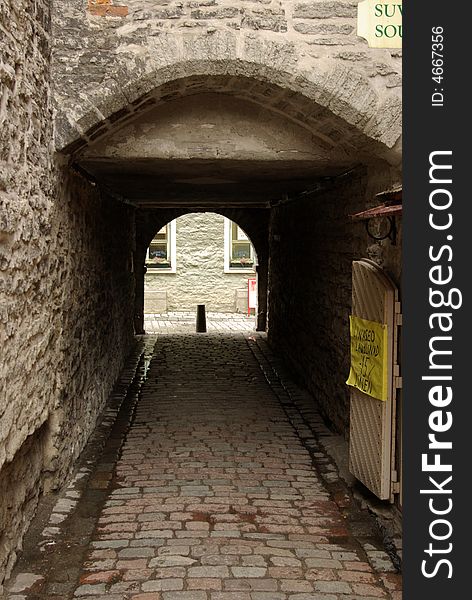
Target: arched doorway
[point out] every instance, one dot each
(199, 258)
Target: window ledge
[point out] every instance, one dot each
(238, 270)
(160, 271)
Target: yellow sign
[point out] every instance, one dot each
(368, 357)
(380, 23)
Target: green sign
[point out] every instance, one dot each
(380, 23)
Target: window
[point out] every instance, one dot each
(160, 257)
(239, 253)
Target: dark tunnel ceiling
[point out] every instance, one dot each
(205, 183)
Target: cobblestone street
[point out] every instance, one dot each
(184, 322)
(214, 495)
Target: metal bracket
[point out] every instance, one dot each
(398, 314)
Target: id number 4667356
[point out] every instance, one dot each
(437, 56)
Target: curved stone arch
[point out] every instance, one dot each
(255, 224)
(361, 117)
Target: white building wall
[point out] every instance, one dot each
(199, 276)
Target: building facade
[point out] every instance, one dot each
(199, 258)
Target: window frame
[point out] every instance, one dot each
(228, 251)
(171, 249)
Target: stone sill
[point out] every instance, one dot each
(161, 271)
(246, 271)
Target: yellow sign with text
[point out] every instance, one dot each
(380, 23)
(368, 357)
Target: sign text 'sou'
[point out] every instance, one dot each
(380, 23)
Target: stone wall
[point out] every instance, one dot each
(200, 276)
(114, 57)
(58, 330)
(313, 243)
(66, 288)
(29, 344)
(93, 295)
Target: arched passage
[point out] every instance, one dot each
(312, 107)
(334, 98)
(225, 141)
(341, 115)
(280, 156)
(200, 258)
(254, 223)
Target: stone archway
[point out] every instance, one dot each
(176, 146)
(337, 104)
(270, 130)
(255, 224)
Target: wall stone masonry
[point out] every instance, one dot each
(105, 8)
(324, 10)
(28, 342)
(20, 491)
(312, 245)
(94, 242)
(56, 363)
(105, 64)
(65, 294)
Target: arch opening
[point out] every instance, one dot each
(287, 170)
(203, 261)
(200, 258)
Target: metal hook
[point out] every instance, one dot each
(391, 233)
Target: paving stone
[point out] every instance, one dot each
(268, 596)
(255, 584)
(248, 572)
(110, 544)
(219, 572)
(335, 587)
(231, 596)
(172, 561)
(190, 595)
(313, 596)
(100, 577)
(90, 590)
(135, 552)
(158, 585)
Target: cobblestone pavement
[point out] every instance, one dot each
(214, 495)
(184, 322)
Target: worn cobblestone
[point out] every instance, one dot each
(215, 497)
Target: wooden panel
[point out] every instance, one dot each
(370, 445)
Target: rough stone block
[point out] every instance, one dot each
(104, 8)
(324, 10)
(225, 12)
(323, 28)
